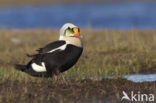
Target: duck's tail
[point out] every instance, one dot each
(20, 67)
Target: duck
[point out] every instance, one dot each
(56, 57)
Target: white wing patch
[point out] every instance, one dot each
(38, 68)
(63, 47)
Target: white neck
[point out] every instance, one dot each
(72, 40)
(61, 37)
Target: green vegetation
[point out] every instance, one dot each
(105, 53)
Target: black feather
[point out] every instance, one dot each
(51, 46)
(55, 62)
(20, 67)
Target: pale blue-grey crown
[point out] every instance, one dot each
(65, 26)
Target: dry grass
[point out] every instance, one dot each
(23, 2)
(106, 52)
(17, 2)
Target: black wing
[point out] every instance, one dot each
(58, 61)
(51, 46)
(48, 47)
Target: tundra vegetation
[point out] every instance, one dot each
(106, 53)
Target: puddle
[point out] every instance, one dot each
(141, 77)
(134, 77)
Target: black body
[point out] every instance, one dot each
(55, 62)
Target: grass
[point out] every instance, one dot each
(23, 2)
(106, 52)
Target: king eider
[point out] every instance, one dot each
(57, 56)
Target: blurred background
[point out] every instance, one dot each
(96, 14)
(110, 50)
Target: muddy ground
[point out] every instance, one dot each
(107, 53)
(84, 91)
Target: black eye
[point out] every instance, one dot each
(68, 28)
(72, 29)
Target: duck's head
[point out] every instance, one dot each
(69, 30)
(71, 34)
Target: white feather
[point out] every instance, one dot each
(38, 68)
(63, 47)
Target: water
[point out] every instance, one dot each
(141, 77)
(135, 77)
(127, 15)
